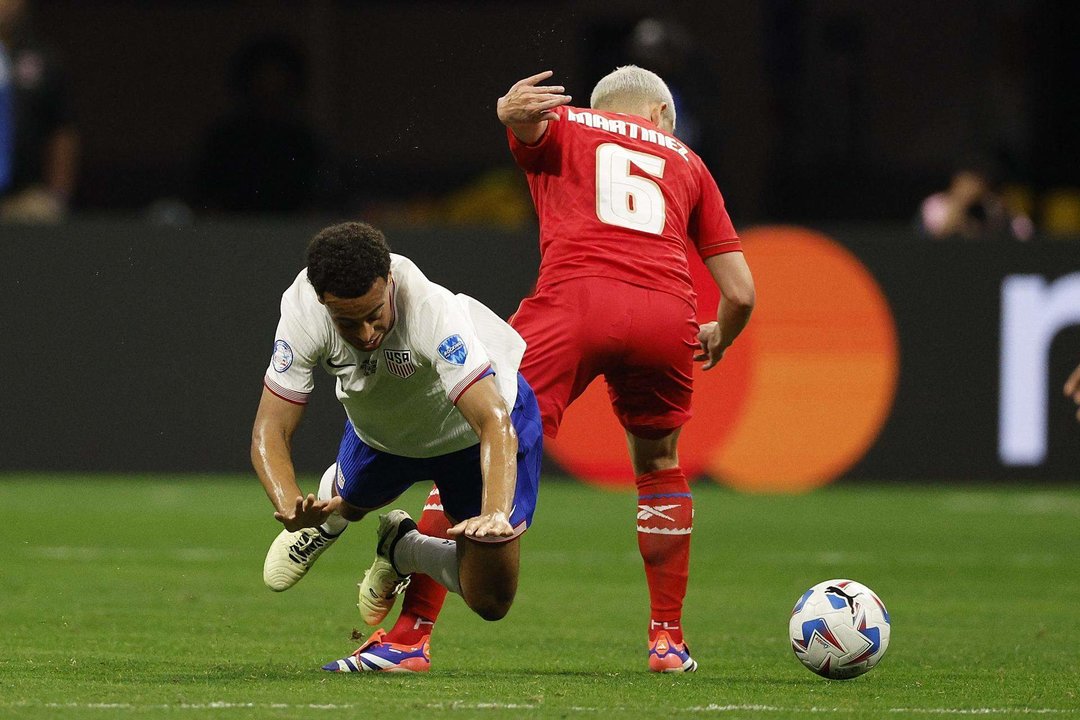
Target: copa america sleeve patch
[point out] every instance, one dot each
(453, 350)
(282, 357)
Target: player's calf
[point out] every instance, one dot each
(489, 576)
(483, 573)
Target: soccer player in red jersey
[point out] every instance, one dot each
(621, 201)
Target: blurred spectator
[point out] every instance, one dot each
(264, 156)
(669, 49)
(1060, 215)
(972, 208)
(7, 119)
(1072, 389)
(44, 142)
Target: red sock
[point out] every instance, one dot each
(664, 520)
(424, 597)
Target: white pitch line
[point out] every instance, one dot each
(985, 711)
(472, 706)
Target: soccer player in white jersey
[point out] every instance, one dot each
(430, 386)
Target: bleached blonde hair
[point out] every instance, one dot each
(632, 85)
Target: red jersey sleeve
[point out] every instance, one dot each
(710, 226)
(541, 155)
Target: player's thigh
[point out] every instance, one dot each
(561, 356)
(651, 384)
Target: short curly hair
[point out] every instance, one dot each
(346, 259)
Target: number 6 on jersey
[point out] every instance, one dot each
(626, 200)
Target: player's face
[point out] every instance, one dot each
(362, 321)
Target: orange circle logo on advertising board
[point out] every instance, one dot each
(797, 400)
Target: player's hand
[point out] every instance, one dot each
(308, 512)
(1072, 388)
(710, 345)
(490, 525)
(527, 103)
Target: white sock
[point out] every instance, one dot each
(434, 557)
(335, 524)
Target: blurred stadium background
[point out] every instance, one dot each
(214, 137)
(182, 152)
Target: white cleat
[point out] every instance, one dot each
(292, 554)
(382, 582)
(379, 590)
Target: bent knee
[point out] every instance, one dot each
(492, 607)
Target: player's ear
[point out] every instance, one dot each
(657, 117)
(656, 114)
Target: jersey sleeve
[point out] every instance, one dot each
(448, 337)
(290, 374)
(543, 155)
(710, 226)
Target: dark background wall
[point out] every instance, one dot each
(134, 347)
(130, 347)
(135, 338)
(824, 109)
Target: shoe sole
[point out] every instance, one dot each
(680, 669)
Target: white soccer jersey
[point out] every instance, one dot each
(399, 398)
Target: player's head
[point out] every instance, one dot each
(636, 91)
(349, 267)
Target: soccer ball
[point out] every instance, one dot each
(839, 629)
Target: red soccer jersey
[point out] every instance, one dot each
(619, 198)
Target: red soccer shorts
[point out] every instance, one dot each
(642, 341)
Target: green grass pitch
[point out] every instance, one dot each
(142, 597)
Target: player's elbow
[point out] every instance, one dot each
(741, 298)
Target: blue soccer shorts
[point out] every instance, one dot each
(368, 478)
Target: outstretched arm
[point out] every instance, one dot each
(527, 107)
(732, 275)
(271, 455)
(483, 407)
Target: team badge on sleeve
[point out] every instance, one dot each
(399, 362)
(453, 350)
(282, 357)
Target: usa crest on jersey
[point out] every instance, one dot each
(399, 362)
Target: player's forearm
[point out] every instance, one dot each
(737, 295)
(732, 317)
(498, 464)
(271, 456)
(528, 133)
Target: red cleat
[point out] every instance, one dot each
(666, 656)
